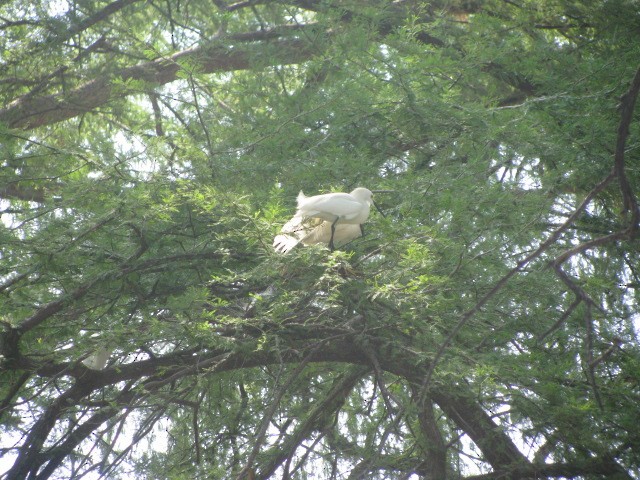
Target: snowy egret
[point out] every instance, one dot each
(98, 360)
(330, 218)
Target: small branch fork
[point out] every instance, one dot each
(630, 205)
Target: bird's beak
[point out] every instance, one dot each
(376, 205)
(378, 208)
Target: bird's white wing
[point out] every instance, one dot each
(344, 233)
(332, 204)
(98, 360)
(293, 232)
(311, 232)
(284, 243)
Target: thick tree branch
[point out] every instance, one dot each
(627, 106)
(30, 459)
(61, 451)
(435, 448)
(34, 111)
(12, 391)
(21, 192)
(598, 466)
(498, 449)
(318, 418)
(467, 414)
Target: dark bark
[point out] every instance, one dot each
(20, 192)
(234, 52)
(34, 111)
(436, 453)
(467, 414)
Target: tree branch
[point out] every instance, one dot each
(97, 17)
(496, 446)
(435, 449)
(468, 415)
(317, 419)
(561, 320)
(629, 200)
(626, 107)
(30, 459)
(30, 194)
(32, 112)
(271, 410)
(598, 466)
(555, 235)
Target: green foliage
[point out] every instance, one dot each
(150, 151)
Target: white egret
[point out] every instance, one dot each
(329, 219)
(98, 360)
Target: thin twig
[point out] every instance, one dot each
(561, 320)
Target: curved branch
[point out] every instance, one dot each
(627, 106)
(555, 235)
(34, 111)
(30, 194)
(317, 419)
(629, 200)
(30, 459)
(61, 451)
(469, 416)
(597, 466)
(97, 17)
(496, 446)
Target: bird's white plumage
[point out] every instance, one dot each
(315, 216)
(346, 206)
(98, 360)
(312, 232)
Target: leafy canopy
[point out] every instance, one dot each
(486, 327)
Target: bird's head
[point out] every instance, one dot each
(363, 194)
